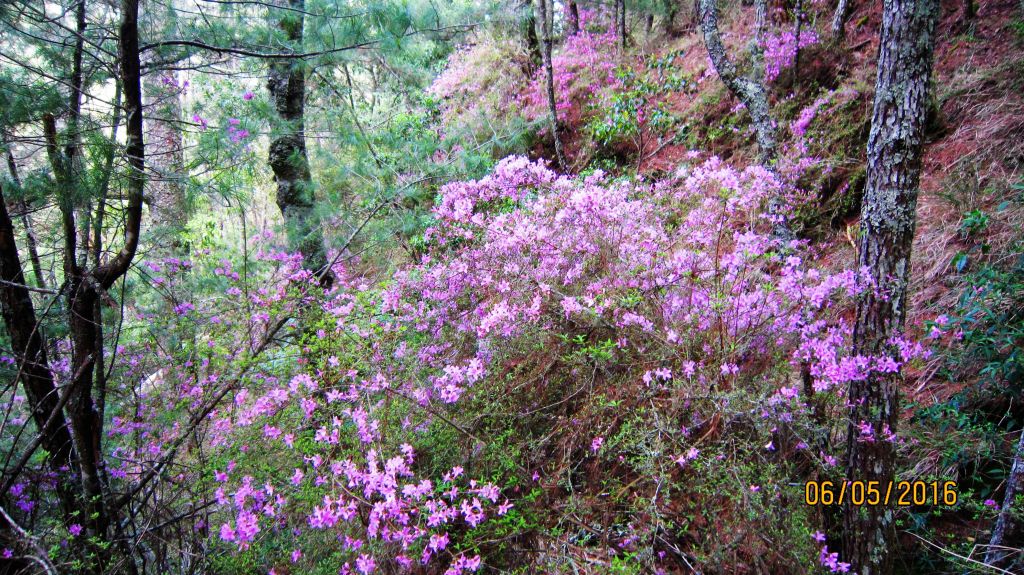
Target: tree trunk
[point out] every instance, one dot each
(752, 93)
(545, 34)
(621, 18)
(286, 83)
(1006, 527)
(572, 25)
(75, 447)
(887, 230)
(19, 317)
(86, 287)
(529, 24)
(166, 186)
(839, 19)
(760, 35)
(85, 422)
(26, 221)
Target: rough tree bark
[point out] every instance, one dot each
(286, 82)
(87, 287)
(1006, 527)
(751, 92)
(85, 422)
(545, 24)
(757, 46)
(839, 19)
(886, 230)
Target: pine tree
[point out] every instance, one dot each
(286, 82)
(887, 230)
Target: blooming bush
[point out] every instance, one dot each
(333, 477)
(480, 78)
(355, 449)
(678, 284)
(635, 110)
(582, 68)
(525, 250)
(780, 51)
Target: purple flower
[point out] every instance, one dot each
(365, 564)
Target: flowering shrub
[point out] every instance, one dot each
(825, 153)
(780, 51)
(635, 110)
(582, 68)
(336, 453)
(681, 279)
(680, 282)
(333, 477)
(526, 249)
(480, 78)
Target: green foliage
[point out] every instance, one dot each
(989, 320)
(1018, 29)
(713, 125)
(24, 98)
(636, 108)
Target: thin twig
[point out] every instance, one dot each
(958, 556)
(29, 288)
(43, 558)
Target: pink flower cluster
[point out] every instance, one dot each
(526, 249)
(583, 68)
(780, 51)
(235, 132)
(479, 78)
(684, 274)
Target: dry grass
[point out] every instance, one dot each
(970, 168)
